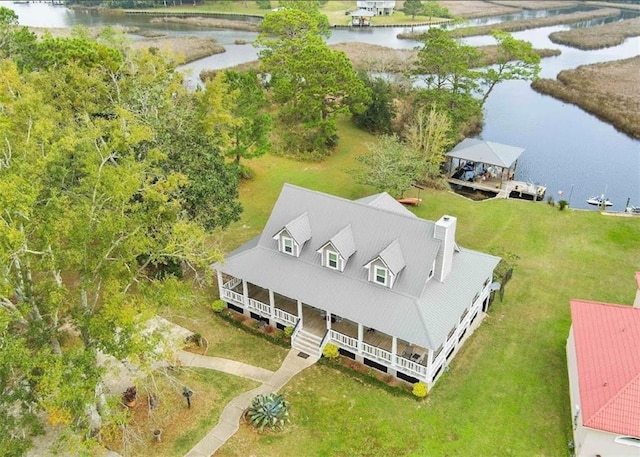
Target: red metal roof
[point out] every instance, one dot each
(607, 340)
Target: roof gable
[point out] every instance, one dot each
(386, 202)
(489, 152)
(342, 242)
(607, 343)
(392, 257)
(299, 229)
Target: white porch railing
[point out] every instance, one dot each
(234, 296)
(285, 317)
(343, 339)
(376, 352)
(259, 306)
(232, 283)
(413, 367)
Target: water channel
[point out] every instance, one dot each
(566, 149)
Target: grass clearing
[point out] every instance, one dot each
(507, 391)
(181, 427)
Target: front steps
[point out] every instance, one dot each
(308, 343)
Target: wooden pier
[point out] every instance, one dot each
(504, 189)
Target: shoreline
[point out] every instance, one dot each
(599, 36)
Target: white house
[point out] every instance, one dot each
(393, 291)
(603, 358)
(378, 7)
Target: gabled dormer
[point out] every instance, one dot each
(385, 268)
(292, 236)
(335, 253)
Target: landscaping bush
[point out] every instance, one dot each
(268, 411)
(331, 351)
(218, 306)
(288, 331)
(562, 204)
(420, 390)
(278, 338)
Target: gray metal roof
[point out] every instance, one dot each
(393, 258)
(489, 152)
(385, 201)
(415, 310)
(299, 229)
(343, 241)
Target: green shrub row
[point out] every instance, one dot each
(365, 377)
(278, 338)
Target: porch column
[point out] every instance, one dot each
(300, 312)
(245, 293)
(394, 350)
(429, 364)
(360, 336)
(272, 304)
(219, 275)
(328, 319)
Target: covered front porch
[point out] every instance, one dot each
(368, 343)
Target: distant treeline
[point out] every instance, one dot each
(131, 4)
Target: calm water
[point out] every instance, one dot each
(567, 149)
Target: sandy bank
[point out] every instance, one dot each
(609, 90)
(601, 36)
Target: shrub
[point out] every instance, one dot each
(420, 389)
(268, 411)
(218, 306)
(288, 331)
(562, 204)
(550, 201)
(330, 351)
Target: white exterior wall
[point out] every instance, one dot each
(589, 442)
(445, 231)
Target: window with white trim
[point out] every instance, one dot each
(380, 275)
(287, 245)
(333, 260)
(628, 440)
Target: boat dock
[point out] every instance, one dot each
(504, 189)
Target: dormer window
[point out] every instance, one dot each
(380, 275)
(333, 260)
(287, 245)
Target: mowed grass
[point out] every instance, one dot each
(507, 391)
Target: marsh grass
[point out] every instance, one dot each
(609, 90)
(600, 36)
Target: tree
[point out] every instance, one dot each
(94, 204)
(430, 135)
(516, 60)
(380, 112)
(389, 166)
(433, 9)
(413, 8)
(311, 82)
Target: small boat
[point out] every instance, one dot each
(632, 209)
(599, 201)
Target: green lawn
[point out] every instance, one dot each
(507, 392)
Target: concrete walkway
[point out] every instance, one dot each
(230, 417)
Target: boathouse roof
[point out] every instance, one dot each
(488, 152)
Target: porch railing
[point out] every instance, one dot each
(411, 366)
(343, 339)
(232, 283)
(231, 295)
(259, 306)
(285, 316)
(376, 352)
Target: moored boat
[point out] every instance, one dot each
(599, 201)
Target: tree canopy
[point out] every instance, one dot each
(108, 183)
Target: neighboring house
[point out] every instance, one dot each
(603, 358)
(378, 7)
(393, 291)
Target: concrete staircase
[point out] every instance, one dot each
(308, 343)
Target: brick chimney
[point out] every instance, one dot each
(445, 231)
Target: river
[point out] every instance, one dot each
(566, 149)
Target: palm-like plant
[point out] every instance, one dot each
(268, 411)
